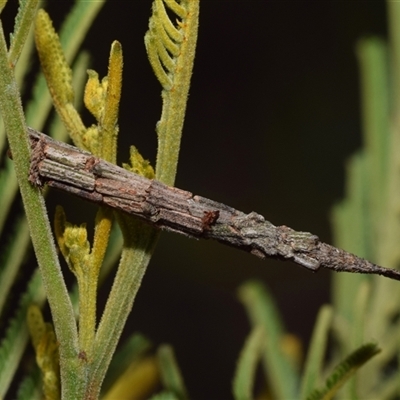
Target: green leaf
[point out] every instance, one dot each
(13, 345)
(344, 371)
(58, 77)
(316, 351)
(14, 120)
(72, 33)
(23, 21)
(279, 367)
(170, 373)
(8, 188)
(138, 164)
(171, 49)
(251, 354)
(11, 258)
(30, 387)
(164, 396)
(133, 349)
(139, 243)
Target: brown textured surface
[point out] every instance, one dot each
(80, 173)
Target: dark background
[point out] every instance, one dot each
(272, 117)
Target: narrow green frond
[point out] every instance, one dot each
(11, 258)
(138, 164)
(24, 63)
(350, 218)
(379, 149)
(76, 25)
(23, 21)
(164, 41)
(166, 60)
(171, 375)
(164, 396)
(13, 344)
(373, 64)
(133, 349)
(279, 367)
(355, 335)
(30, 387)
(361, 303)
(171, 49)
(366, 222)
(52, 60)
(387, 389)
(113, 252)
(351, 228)
(139, 243)
(153, 54)
(245, 373)
(393, 18)
(109, 121)
(36, 112)
(344, 371)
(79, 76)
(72, 33)
(179, 10)
(163, 29)
(138, 381)
(15, 124)
(8, 188)
(38, 108)
(173, 33)
(316, 351)
(45, 343)
(2, 4)
(19, 241)
(58, 77)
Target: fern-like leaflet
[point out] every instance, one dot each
(344, 371)
(163, 40)
(170, 48)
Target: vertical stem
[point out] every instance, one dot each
(169, 128)
(372, 57)
(140, 240)
(88, 294)
(393, 13)
(61, 308)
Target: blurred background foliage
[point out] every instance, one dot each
(273, 117)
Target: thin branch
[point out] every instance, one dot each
(14, 122)
(65, 167)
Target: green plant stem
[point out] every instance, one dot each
(372, 57)
(139, 238)
(13, 259)
(88, 296)
(280, 369)
(171, 376)
(394, 35)
(139, 243)
(247, 364)
(61, 308)
(72, 33)
(169, 128)
(25, 14)
(316, 352)
(109, 122)
(12, 345)
(8, 189)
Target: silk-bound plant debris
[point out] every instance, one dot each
(354, 343)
